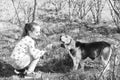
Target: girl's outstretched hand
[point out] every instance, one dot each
(49, 46)
(43, 51)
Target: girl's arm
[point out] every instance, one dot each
(52, 45)
(35, 53)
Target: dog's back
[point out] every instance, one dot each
(93, 49)
(80, 51)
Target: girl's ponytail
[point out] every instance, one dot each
(26, 29)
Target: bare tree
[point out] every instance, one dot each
(80, 8)
(34, 10)
(97, 9)
(27, 10)
(115, 11)
(16, 13)
(57, 6)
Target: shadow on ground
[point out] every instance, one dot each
(56, 66)
(6, 70)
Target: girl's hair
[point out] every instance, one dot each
(28, 27)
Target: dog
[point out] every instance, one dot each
(80, 51)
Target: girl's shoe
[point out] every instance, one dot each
(21, 73)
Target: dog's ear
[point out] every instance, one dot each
(62, 45)
(60, 37)
(77, 44)
(73, 52)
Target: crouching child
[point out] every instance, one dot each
(25, 55)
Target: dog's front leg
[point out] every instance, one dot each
(82, 63)
(76, 62)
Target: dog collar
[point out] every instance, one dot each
(69, 42)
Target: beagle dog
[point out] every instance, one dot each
(79, 51)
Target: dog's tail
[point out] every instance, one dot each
(112, 52)
(109, 57)
(112, 47)
(107, 62)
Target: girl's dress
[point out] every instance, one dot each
(24, 52)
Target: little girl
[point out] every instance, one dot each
(25, 54)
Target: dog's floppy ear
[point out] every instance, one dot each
(77, 44)
(60, 37)
(62, 45)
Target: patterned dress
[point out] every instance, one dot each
(24, 52)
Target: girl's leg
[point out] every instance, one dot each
(32, 66)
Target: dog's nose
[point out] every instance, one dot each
(62, 45)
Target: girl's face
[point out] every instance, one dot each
(36, 32)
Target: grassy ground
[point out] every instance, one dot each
(57, 64)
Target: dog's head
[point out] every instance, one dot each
(66, 40)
